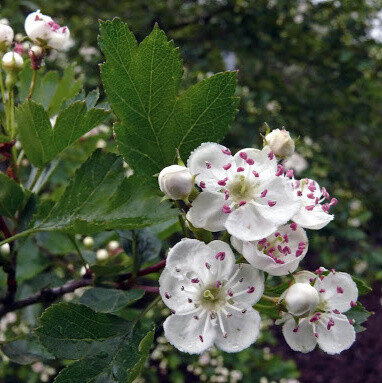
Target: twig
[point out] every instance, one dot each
(148, 289)
(148, 270)
(47, 295)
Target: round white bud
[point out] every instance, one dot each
(102, 254)
(175, 181)
(37, 50)
(5, 249)
(6, 35)
(113, 245)
(88, 242)
(12, 61)
(301, 299)
(280, 143)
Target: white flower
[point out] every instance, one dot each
(278, 254)
(296, 162)
(280, 143)
(41, 29)
(12, 61)
(175, 181)
(323, 322)
(240, 193)
(6, 35)
(312, 214)
(102, 254)
(211, 298)
(88, 242)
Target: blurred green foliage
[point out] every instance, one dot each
(310, 66)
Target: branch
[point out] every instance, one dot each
(48, 295)
(148, 270)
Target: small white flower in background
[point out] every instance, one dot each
(12, 61)
(245, 194)
(5, 249)
(176, 182)
(278, 254)
(102, 254)
(113, 246)
(41, 29)
(210, 297)
(296, 162)
(280, 143)
(88, 242)
(314, 213)
(316, 317)
(6, 36)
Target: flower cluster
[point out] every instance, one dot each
(41, 31)
(257, 201)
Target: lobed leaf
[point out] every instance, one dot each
(11, 196)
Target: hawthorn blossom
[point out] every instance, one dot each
(280, 143)
(175, 181)
(245, 194)
(210, 298)
(278, 254)
(42, 30)
(6, 36)
(315, 310)
(313, 213)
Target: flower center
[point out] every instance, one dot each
(213, 298)
(241, 189)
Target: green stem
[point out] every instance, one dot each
(18, 236)
(149, 307)
(12, 127)
(36, 177)
(270, 299)
(19, 158)
(33, 84)
(74, 242)
(2, 89)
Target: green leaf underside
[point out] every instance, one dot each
(11, 196)
(362, 286)
(109, 300)
(51, 90)
(100, 198)
(109, 348)
(142, 84)
(359, 315)
(41, 142)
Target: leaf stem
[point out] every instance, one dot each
(74, 242)
(18, 236)
(36, 177)
(33, 84)
(2, 90)
(149, 307)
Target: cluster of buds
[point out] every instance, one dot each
(265, 210)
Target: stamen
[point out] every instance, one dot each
(226, 209)
(202, 184)
(271, 203)
(243, 155)
(226, 151)
(208, 165)
(270, 155)
(333, 201)
(167, 295)
(240, 169)
(220, 255)
(242, 203)
(250, 161)
(255, 173)
(263, 193)
(280, 170)
(289, 173)
(309, 208)
(195, 280)
(295, 329)
(340, 290)
(353, 304)
(228, 166)
(201, 338)
(222, 182)
(222, 326)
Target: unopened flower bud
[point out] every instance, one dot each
(113, 245)
(42, 30)
(175, 181)
(280, 143)
(36, 54)
(12, 62)
(301, 299)
(88, 242)
(102, 254)
(6, 36)
(5, 249)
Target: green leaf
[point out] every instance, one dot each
(358, 315)
(26, 350)
(42, 142)
(362, 286)
(51, 90)
(100, 198)
(109, 300)
(268, 308)
(110, 349)
(11, 196)
(142, 85)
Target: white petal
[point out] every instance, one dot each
(242, 330)
(186, 258)
(314, 220)
(226, 265)
(176, 298)
(340, 336)
(212, 154)
(305, 277)
(251, 278)
(264, 165)
(279, 190)
(237, 244)
(58, 39)
(340, 290)
(303, 339)
(206, 211)
(247, 224)
(183, 332)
